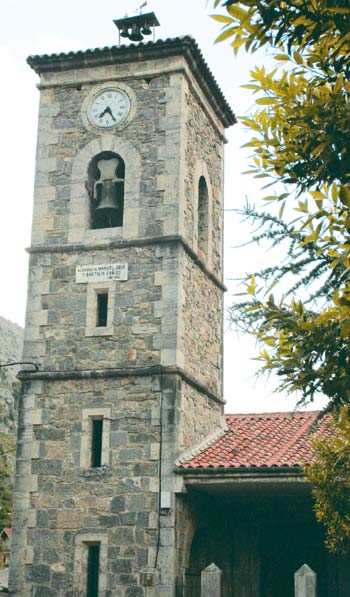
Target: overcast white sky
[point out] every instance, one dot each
(42, 26)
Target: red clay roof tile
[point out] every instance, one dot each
(262, 440)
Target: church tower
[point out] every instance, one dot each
(124, 317)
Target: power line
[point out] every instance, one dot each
(7, 452)
(36, 367)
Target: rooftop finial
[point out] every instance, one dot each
(139, 9)
(135, 28)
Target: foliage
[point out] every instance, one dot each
(330, 478)
(300, 131)
(7, 451)
(300, 23)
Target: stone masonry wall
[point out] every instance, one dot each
(202, 325)
(118, 500)
(57, 311)
(152, 136)
(200, 416)
(168, 312)
(204, 145)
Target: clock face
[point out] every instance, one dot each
(109, 108)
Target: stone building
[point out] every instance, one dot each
(124, 319)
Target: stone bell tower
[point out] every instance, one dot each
(124, 317)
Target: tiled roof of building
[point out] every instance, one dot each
(261, 440)
(6, 532)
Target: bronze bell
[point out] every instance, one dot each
(135, 34)
(146, 30)
(108, 194)
(124, 32)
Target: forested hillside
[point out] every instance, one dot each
(11, 340)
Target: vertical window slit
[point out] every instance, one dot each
(96, 442)
(203, 207)
(102, 309)
(93, 565)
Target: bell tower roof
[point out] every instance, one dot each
(134, 28)
(185, 47)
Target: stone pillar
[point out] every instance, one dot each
(305, 582)
(211, 581)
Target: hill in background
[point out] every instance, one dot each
(11, 343)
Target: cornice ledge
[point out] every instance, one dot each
(118, 372)
(137, 242)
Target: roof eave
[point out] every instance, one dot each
(185, 46)
(246, 471)
(246, 481)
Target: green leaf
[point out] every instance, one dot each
(221, 18)
(225, 35)
(298, 58)
(266, 101)
(283, 57)
(344, 195)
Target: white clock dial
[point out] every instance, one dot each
(109, 108)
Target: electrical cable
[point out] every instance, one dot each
(160, 467)
(7, 452)
(36, 367)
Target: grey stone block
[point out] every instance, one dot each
(134, 592)
(118, 504)
(121, 566)
(40, 573)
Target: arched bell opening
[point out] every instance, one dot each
(106, 178)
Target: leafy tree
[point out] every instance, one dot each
(300, 131)
(330, 478)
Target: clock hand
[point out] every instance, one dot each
(109, 111)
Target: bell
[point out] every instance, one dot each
(146, 30)
(108, 196)
(135, 34)
(124, 31)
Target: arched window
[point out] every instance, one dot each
(203, 200)
(106, 190)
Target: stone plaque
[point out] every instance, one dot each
(101, 273)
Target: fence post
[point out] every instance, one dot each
(305, 582)
(211, 581)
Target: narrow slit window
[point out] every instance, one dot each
(93, 565)
(203, 206)
(96, 442)
(102, 309)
